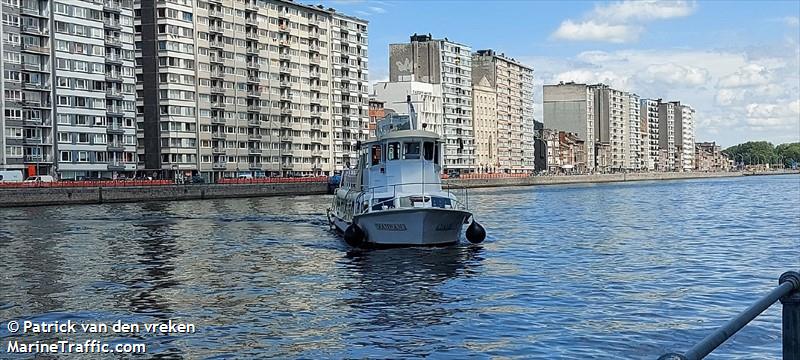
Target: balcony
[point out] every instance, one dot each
(253, 79)
(32, 12)
(251, 21)
(285, 69)
(217, 105)
(287, 166)
(253, 64)
(285, 84)
(217, 74)
(255, 166)
(215, 29)
(313, 48)
(34, 104)
(216, 45)
(112, 6)
(115, 147)
(116, 166)
(217, 150)
(254, 93)
(286, 97)
(114, 94)
(287, 152)
(113, 59)
(216, 120)
(219, 166)
(254, 136)
(252, 35)
(286, 111)
(314, 60)
(254, 108)
(286, 138)
(33, 141)
(34, 30)
(217, 90)
(253, 50)
(113, 41)
(254, 151)
(317, 127)
(38, 158)
(284, 56)
(314, 74)
(114, 110)
(112, 24)
(35, 86)
(115, 129)
(113, 76)
(218, 135)
(215, 14)
(316, 153)
(254, 122)
(36, 49)
(316, 140)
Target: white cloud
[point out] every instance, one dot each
(749, 75)
(783, 115)
(644, 10)
(675, 74)
(376, 9)
(593, 31)
(620, 22)
(791, 21)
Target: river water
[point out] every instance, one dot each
(606, 271)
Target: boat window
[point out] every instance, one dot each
(394, 151)
(428, 150)
(376, 154)
(436, 155)
(411, 150)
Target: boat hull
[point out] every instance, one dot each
(410, 227)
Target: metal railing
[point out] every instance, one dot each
(788, 292)
(460, 192)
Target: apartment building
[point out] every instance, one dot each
(511, 84)
(666, 135)
(636, 154)
(571, 107)
(445, 62)
(612, 124)
(377, 111)
(258, 87)
(26, 124)
(649, 123)
(94, 88)
(687, 147)
(485, 121)
(427, 99)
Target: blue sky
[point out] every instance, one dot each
(737, 63)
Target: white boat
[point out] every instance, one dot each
(394, 196)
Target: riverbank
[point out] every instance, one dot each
(599, 178)
(37, 196)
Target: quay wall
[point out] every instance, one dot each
(32, 196)
(597, 178)
(36, 196)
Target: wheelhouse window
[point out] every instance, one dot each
(376, 154)
(393, 152)
(427, 148)
(411, 150)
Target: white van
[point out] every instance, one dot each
(40, 178)
(10, 176)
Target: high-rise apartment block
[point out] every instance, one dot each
(636, 156)
(684, 137)
(612, 124)
(262, 87)
(648, 112)
(571, 107)
(26, 125)
(441, 61)
(503, 113)
(666, 135)
(68, 88)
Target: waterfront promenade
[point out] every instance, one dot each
(26, 194)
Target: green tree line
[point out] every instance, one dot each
(763, 152)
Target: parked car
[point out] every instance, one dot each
(454, 175)
(244, 176)
(40, 178)
(11, 176)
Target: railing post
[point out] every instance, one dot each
(791, 317)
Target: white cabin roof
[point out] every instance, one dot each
(400, 134)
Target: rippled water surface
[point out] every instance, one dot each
(611, 271)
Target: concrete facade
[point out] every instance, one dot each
(648, 112)
(666, 135)
(612, 124)
(259, 87)
(511, 84)
(570, 107)
(445, 62)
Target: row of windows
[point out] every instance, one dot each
(86, 13)
(75, 47)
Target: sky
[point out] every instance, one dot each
(736, 62)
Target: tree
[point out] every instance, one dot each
(752, 152)
(788, 153)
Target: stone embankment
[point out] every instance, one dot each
(65, 195)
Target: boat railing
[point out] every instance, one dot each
(457, 195)
(788, 292)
